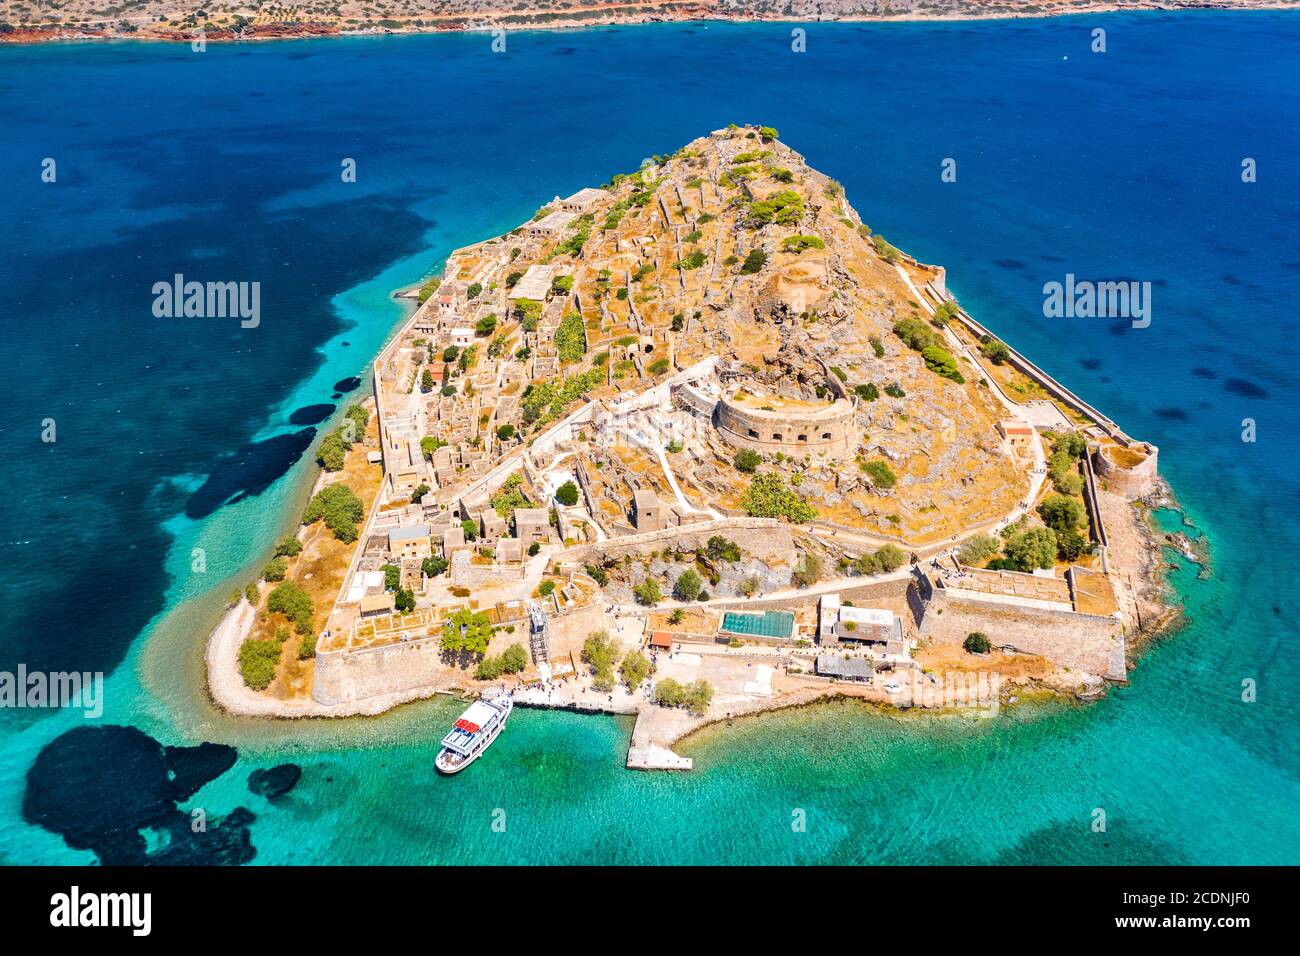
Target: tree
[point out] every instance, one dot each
(434, 565)
(688, 585)
(340, 508)
(754, 262)
(890, 557)
(1035, 548)
(420, 491)
(486, 325)
(749, 586)
(1070, 545)
(289, 546)
(720, 549)
(600, 653)
(648, 593)
(489, 668)
(474, 289)
(634, 669)
(747, 460)
(996, 351)
(429, 444)
(404, 600)
(767, 133)
(275, 569)
(1071, 443)
(257, 662)
(505, 432)
(294, 603)
(977, 643)
(567, 493)
(392, 577)
(332, 454)
(426, 380)
(514, 659)
(1061, 513)
(467, 632)
(470, 527)
(562, 285)
(977, 549)
(546, 588)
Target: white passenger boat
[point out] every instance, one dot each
(473, 732)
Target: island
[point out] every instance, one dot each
(217, 21)
(693, 444)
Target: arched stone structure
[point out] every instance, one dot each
(793, 428)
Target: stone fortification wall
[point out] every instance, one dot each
(765, 538)
(1082, 642)
(827, 431)
(345, 676)
(1131, 481)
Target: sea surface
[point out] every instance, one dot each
(181, 446)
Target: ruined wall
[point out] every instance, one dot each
(343, 676)
(1083, 642)
(765, 538)
(827, 431)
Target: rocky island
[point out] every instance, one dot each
(698, 443)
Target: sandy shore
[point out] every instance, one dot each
(227, 689)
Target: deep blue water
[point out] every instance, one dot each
(174, 434)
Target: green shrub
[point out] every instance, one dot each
(747, 460)
(977, 643)
(881, 475)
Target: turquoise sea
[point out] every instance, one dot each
(174, 434)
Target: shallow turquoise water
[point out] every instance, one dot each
(1117, 166)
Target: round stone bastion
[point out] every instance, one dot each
(775, 424)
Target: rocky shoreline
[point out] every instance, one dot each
(540, 18)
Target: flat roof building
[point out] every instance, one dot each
(534, 284)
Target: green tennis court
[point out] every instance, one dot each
(767, 624)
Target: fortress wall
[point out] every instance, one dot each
(1083, 642)
(345, 676)
(1134, 482)
(765, 538)
(828, 431)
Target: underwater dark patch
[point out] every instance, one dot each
(100, 787)
(275, 782)
(1172, 414)
(1239, 386)
(311, 414)
(1091, 364)
(248, 472)
(347, 384)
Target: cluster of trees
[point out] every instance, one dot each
(294, 603)
(1063, 463)
(333, 451)
(571, 338)
(785, 207)
(545, 401)
(467, 633)
(258, 661)
(695, 696)
(601, 653)
(340, 508)
(433, 565)
(920, 337)
(768, 496)
(1026, 549)
(797, 244)
(692, 260)
(511, 661)
(510, 496)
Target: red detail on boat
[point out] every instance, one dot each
(467, 726)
